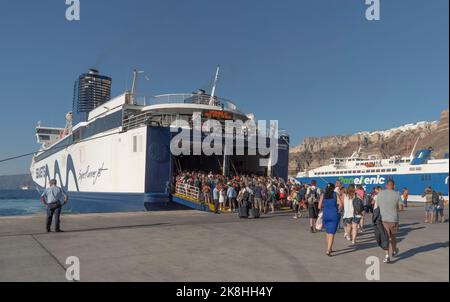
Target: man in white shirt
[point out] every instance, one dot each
(54, 198)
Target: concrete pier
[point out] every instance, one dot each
(196, 246)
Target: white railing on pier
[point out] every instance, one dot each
(189, 191)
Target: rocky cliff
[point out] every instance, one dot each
(316, 151)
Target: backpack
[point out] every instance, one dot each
(435, 199)
(312, 196)
(246, 196)
(358, 206)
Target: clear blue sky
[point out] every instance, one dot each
(318, 66)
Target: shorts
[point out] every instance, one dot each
(258, 202)
(347, 220)
(391, 228)
(351, 220)
(440, 211)
(313, 211)
(429, 208)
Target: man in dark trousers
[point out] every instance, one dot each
(54, 198)
(389, 201)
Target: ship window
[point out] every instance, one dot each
(137, 143)
(48, 131)
(44, 137)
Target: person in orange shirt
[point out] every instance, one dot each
(405, 196)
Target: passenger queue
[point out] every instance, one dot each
(329, 209)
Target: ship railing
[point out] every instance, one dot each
(188, 191)
(184, 98)
(136, 121)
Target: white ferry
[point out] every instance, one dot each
(114, 154)
(415, 172)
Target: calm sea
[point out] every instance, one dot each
(19, 202)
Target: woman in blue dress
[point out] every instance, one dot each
(330, 205)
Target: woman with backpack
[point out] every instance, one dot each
(351, 217)
(312, 199)
(330, 204)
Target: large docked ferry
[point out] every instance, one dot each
(114, 154)
(415, 172)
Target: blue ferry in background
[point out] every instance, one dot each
(415, 172)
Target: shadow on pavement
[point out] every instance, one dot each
(421, 249)
(366, 240)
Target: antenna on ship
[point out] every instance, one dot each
(136, 74)
(213, 91)
(356, 153)
(411, 156)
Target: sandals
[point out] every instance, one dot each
(329, 254)
(386, 259)
(395, 253)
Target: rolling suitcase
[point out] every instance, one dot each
(243, 210)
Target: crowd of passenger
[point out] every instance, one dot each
(331, 208)
(266, 194)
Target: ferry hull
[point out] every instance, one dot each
(416, 183)
(121, 171)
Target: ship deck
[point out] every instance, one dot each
(197, 246)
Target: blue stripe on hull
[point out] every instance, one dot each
(190, 204)
(416, 183)
(87, 202)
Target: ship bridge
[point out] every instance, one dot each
(164, 110)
